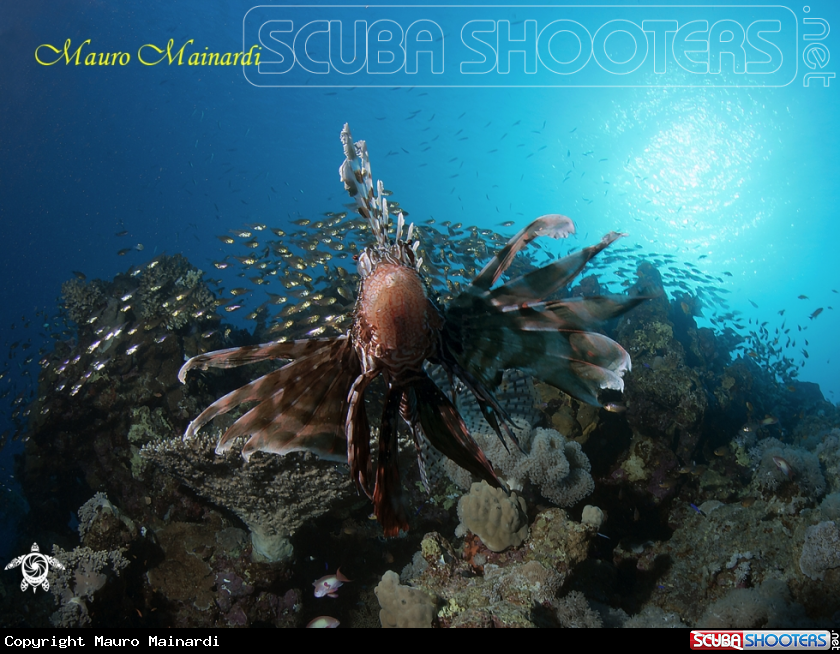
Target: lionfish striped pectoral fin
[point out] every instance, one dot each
(542, 282)
(582, 364)
(387, 494)
(553, 225)
(357, 432)
(301, 407)
(445, 430)
(513, 326)
(240, 356)
(579, 363)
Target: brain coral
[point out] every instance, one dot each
(498, 520)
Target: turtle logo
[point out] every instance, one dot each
(35, 567)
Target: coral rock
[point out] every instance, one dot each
(821, 551)
(402, 607)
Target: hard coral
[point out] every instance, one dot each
(500, 521)
(514, 587)
(82, 299)
(558, 542)
(804, 468)
(821, 551)
(103, 526)
(273, 495)
(171, 289)
(401, 606)
(75, 587)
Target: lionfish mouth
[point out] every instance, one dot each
(316, 401)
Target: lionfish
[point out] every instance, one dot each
(316, 401)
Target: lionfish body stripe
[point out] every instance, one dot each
(316, 402)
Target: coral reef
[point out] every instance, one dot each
(401, 606)
(75, 588)
(498, 519)
(557, 467)
(821, 551)
(704, 527)
(804, 468)
(767, 606)
(171, 291)
(719, 547)
(480, 587)
(206, 578)
(82, 299)
(272, 495)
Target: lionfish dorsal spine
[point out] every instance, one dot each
(400, 225)
(358, 182)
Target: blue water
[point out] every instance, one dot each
(741, 180)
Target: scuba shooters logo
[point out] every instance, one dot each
(523, 46)
(760, 640)
(717, 640)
